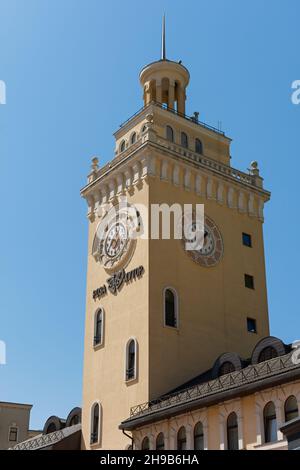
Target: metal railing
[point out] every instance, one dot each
(248, 375)
(173, 111)
(44, 440)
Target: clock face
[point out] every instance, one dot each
(115, 240)
(211, 252)
(113, 244)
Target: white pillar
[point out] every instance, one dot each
(259, 425)
(205, 436)
(279, 418)
(189, 437)
(240, 431)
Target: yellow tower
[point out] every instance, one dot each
(157, 315)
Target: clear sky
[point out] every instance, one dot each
(71, 71)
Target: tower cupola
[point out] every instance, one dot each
(165, 81)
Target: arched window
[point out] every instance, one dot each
(51, 428)
(170, 308)
(270, 422)
(267, 353)
(75, 420)
(198, 437)
(145, 443)
(181, 439)
(184, 140)
(232, 432)
(160, 442)
(170, 134)
(131, 360)
(291, 408)
(133, 138)
(198, 146)
(144, 128)
(122, 146)
(95, 423)
(99, 321)
(226, 368)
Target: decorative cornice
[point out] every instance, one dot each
(152, 156)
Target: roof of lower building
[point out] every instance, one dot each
(43, 441)
(210, 388)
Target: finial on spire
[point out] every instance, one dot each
(163, 39)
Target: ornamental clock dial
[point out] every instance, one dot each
(115, 240)
(114, 244)
(212, 249)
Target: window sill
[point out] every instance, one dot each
(131, 381)
(174, 328)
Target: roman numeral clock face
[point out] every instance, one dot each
(114, 244)
(212, 249)
(115, 240)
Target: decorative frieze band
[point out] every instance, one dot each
(136, 171)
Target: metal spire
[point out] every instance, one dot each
(163, 39)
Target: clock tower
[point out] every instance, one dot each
(156, 314)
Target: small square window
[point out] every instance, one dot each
(13, 434)
(251, 325)
(247, 240)
(249, 281)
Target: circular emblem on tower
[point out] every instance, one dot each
(211, 251)
(115, 239)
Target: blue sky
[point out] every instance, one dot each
(71, 70)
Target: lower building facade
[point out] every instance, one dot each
(237, 405)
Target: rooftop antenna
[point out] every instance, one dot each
(163, 39)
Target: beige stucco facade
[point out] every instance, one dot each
(213, 303)
(249, 411)
(14, 423)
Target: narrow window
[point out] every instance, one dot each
(131, 360)
(267, 353)
(133, 138)
(122, 146)
(95, 414)
(184, 140)
(181, 439)
(13, 434)
(291, 408)
(232, 432)
(198, 437)
(251, 325)
(247, 240)
(170, 134)
(249, 281)
(145, 443)
(198, 146)
(98, 337)
(160, 442)
(170, 306)
(226, 368)
(270, 423)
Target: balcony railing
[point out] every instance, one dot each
(173, 111)
(250, 374)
